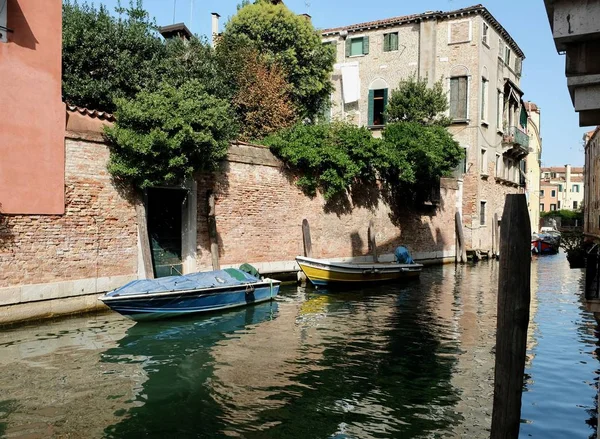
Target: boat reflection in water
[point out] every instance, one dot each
(176, 357)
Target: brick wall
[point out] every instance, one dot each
(96, 237)
(259, 213)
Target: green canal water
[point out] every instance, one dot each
(394, 361)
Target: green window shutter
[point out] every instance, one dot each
(371, 107)
(386, 42)
(394, 41)
(385, 102)
(348, 47)
(365, 45)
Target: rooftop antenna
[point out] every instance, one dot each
(307, 4)
(174, 7)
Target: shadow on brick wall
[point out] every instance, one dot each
(6, 233)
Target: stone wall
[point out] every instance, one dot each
(259, 213)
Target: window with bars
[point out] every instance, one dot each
(458, 98)
(390, 42)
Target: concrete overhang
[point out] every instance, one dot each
(573, 21)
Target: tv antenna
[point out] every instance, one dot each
(307, 4)
(174, 8)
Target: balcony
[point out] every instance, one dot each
(516, 143)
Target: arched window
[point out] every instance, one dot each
(378, 99)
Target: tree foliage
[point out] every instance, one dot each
(164, 136)
(262, 100)
(106, 57)
(414, 101)
(329, 157)
(419, 154)
(289, 40)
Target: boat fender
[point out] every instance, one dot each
(249, 289)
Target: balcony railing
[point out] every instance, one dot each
(516, 136)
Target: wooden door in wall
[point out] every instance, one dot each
(165, 208)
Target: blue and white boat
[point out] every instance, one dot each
(193, 293)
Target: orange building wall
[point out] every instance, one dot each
(32, 120)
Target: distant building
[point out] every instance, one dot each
(561, 188)
(481, 67)
(533, 163)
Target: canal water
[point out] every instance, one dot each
(394, 361)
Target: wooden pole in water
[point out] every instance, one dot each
(372, 242)
(142, 221)
(306, 238)
(513, 317)
(212, 231)
(496, 234)
(462, 250)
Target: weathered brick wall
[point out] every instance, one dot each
(96, 237)
(259, 213)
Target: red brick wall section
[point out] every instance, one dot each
(259, 212)
(96, 237)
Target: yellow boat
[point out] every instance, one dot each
(321, 272)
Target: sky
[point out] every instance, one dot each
(543, 80)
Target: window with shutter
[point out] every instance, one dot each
(3, 21)
(371, 115)
(518, 65)
(507, 56)
(458, 98)
(377, 104)
(390, 42)
(500, 48)
(356, 46)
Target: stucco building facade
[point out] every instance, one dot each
(480, 67)
(592, 184)
(32, 122)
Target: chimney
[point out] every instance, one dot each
(306, 16)
(215, 28)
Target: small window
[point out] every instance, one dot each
(552, 207)
(485, 34)
(484, 105)
(541, 207)
(575, 188)
(560, 188)
(357, 46)
(377, 104)
(482, 213)
(553, 193)
(458, 98)
(507, 55)
(574, 204)
(541, 193)
(483, 163)
(500, 107)
(390, 42)
(559, 205)
(498, 166)
(518, 65)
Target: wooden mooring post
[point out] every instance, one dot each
(461, 250)
(212, 231)
(496, 235)
(513, 317)
(372, 241)
(306, 238)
